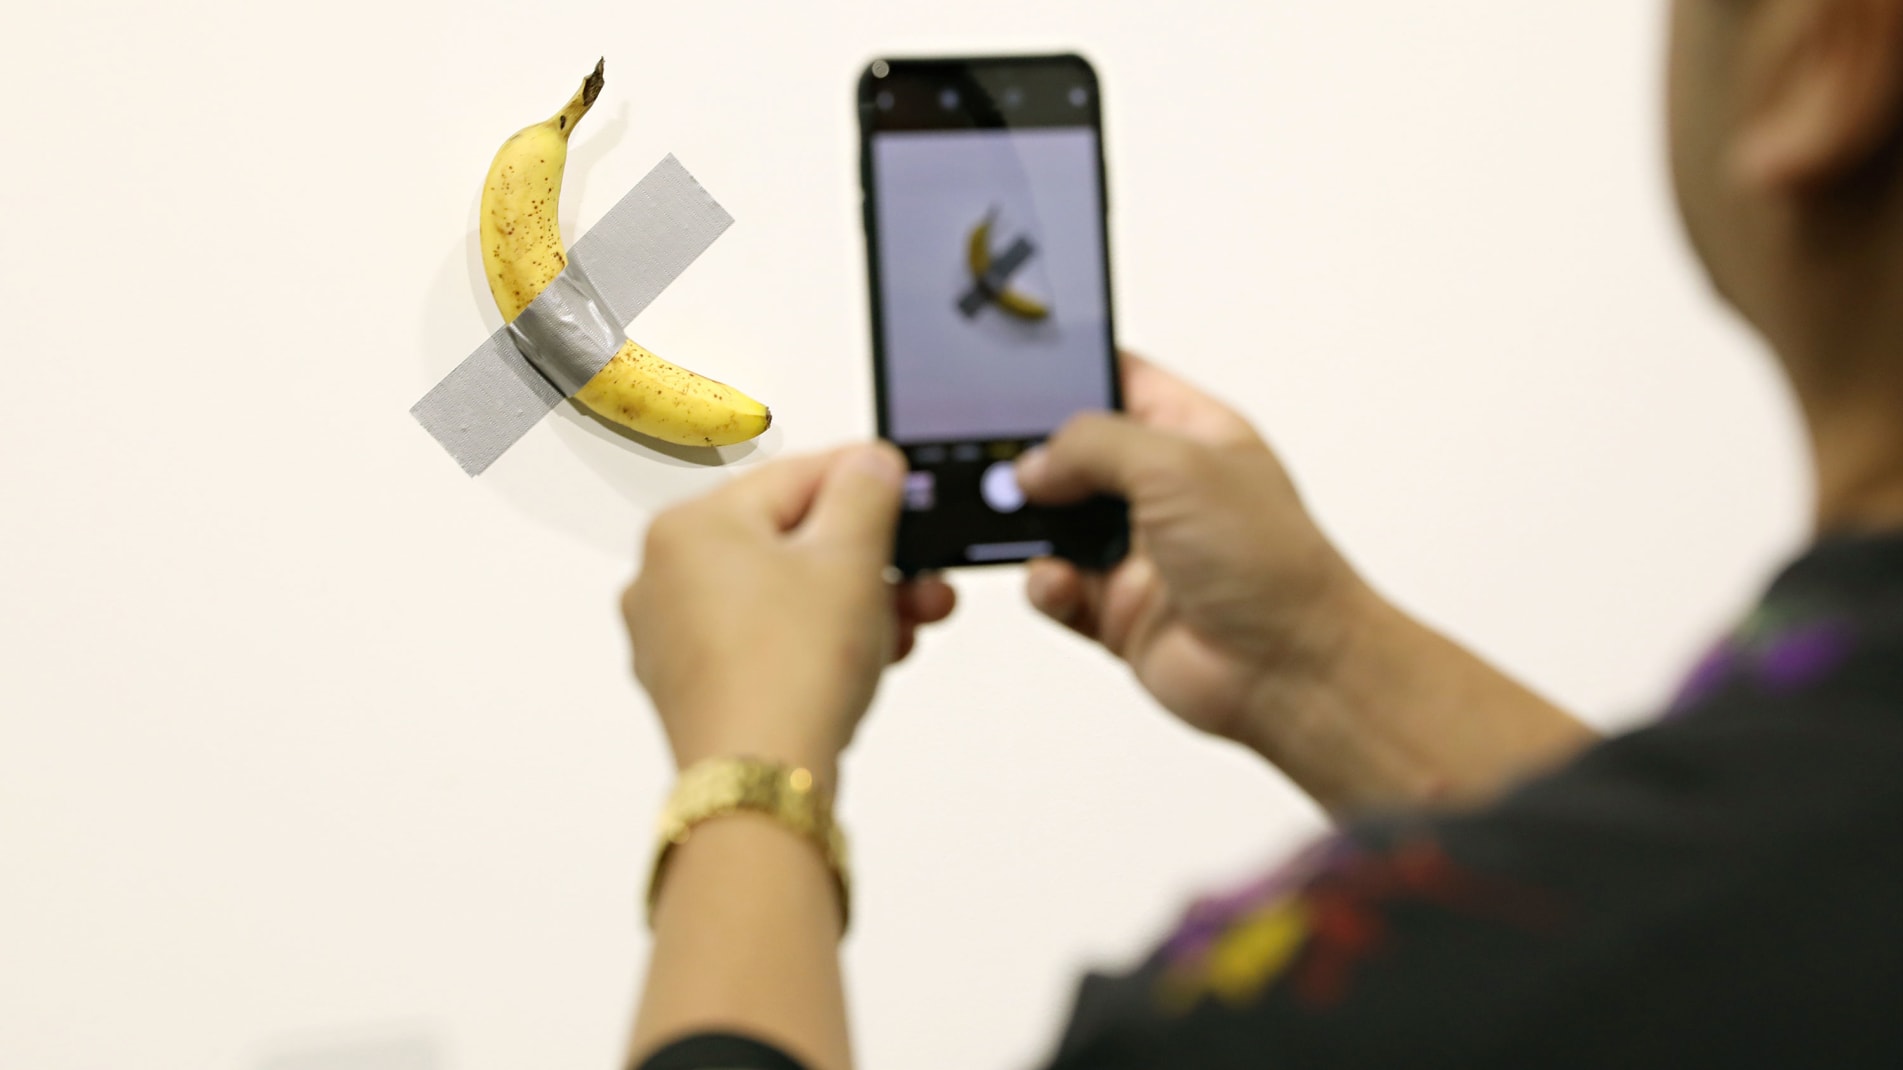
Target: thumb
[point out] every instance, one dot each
(858, 502)
(1101, 453)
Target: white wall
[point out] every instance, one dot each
(304, 737)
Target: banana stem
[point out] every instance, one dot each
(583, 99)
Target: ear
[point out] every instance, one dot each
(1825, 85)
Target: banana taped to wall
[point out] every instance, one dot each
(564, 333)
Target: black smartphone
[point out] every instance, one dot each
(988, 252)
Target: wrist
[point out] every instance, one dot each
(776, 737)
(719, 790)
(1320, 716)
(819, 761)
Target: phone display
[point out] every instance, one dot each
(986, 240)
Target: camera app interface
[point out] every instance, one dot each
(995, 318)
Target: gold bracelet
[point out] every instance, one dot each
(721, 786)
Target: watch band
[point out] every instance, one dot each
(789, 795)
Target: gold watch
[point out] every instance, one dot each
(787, 794)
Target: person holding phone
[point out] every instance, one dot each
(1717, 889)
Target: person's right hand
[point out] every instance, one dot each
(1240, 617)
(1230, 588)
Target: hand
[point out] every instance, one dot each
(1242, 619)
(762, 619)
(1230, 586)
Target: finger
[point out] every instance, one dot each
(1066, 594)
(906, 642)
(1156, 398)
(1053, 589)
(927, 600)
(780, 493)
(1100, 453)
(858, 499)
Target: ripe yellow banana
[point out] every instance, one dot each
(522, 253)
(978, 257)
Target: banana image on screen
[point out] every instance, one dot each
(991, 276)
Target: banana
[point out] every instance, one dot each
(978, 249)
(522, 253)
(1022, 306)
(978, 258)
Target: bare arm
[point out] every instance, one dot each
(1403, 716)
(760, 623)
(746, 940)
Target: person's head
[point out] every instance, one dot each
(1787, 151)
(1787, 154)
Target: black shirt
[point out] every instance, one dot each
(1723, 888)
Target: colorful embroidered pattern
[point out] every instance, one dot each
(1777, 649)
(1320, 918)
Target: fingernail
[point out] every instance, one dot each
(880, 463)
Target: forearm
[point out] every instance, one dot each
(1401, 716)
(746, 940)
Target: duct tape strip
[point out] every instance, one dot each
(575, 326)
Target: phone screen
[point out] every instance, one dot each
(985, 222)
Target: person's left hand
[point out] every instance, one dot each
(762, 619)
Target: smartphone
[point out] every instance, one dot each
(988, 256)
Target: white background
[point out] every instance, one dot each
(305, 738)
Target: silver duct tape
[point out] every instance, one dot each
(486, 404)
(986, 288)
(566, 331)
(575, 326)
